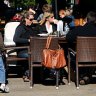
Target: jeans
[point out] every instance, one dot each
(23, 54)
(2, 71)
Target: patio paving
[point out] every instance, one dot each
(20, 88)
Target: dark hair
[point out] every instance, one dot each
(47, 8)
(91, 16)
(31, 7)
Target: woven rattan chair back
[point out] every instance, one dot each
(85, 55)
(37, 44)
(86, 49)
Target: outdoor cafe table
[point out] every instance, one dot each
(61, 39)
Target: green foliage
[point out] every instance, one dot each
(49, 1)
(24, 2)
(28, 2)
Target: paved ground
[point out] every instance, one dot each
(20, 88)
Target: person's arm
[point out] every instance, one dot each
(40, 17)
(18, 35)
(42, 29)
(72, 34)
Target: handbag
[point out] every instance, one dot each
(53, 58)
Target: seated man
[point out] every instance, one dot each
(89, 29)
(22, 37)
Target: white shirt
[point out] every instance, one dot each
(49, 29)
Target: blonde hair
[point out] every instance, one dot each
(45, 16)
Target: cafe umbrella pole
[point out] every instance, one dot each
(56, 11)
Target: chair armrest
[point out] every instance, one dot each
(12, 49)
(71, 51)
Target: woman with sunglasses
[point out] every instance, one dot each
(47, 26)
(23, 32)
(47, 23)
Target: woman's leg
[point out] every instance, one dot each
(2, 71)
(3, 87)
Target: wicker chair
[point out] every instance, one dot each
(85, 55)
(10, 46)
(37, 44)
(6, 52)
(11, 55)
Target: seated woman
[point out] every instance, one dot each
(47, 23)
(3, 87)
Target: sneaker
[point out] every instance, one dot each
(4, 89)
(25, 79)
(82, 82)
(86, 79)
(61, 83)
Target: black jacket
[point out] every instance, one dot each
(42, 28)
(89, 29)
(23, 33)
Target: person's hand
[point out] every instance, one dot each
(35, 22)
(33, 11)
(55, 21)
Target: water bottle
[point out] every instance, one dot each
(66, 28)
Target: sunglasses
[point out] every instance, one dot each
(52, 17)
(30, 19)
